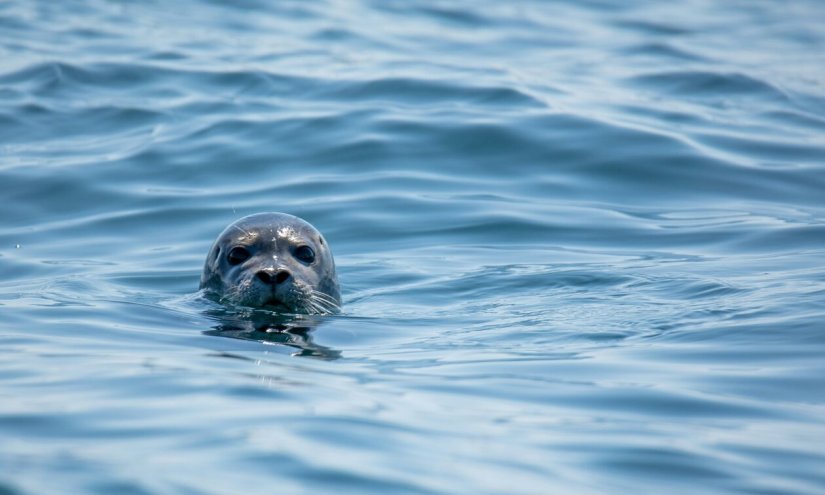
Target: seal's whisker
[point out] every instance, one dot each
(324, 297)
(323, 303)
(310, 307)
(245, 232)
(251, 279)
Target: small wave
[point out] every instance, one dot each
(432, 92)
(54, 79)
(705, 84)
(655, 28)
(661, 50)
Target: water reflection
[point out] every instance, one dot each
(272, 328)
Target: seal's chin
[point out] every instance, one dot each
(275, 304)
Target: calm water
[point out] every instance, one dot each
(581, 246)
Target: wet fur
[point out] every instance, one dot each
(312, 289)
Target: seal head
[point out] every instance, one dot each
(273, 261)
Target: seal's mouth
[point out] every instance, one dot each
(275, 304)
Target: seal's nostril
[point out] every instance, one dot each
(282, 276)
(264, 277)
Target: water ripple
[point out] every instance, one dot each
(580, 246)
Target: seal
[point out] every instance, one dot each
(274, 261)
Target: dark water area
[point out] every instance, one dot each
(580, 246)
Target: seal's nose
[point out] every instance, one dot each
(278, 278)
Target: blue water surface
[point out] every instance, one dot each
(581, 246)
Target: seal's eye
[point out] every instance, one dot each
(237, 255)
(305, 254)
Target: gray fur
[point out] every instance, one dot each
(271, 239)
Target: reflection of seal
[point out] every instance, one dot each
(295, 333)
(274, 261)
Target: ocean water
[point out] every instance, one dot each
(581, 246)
